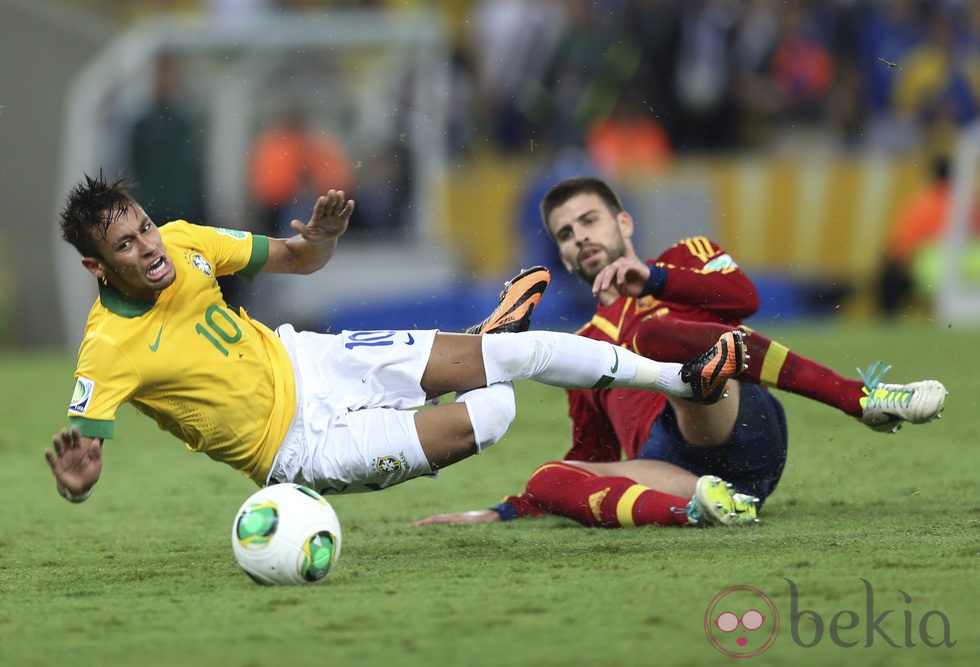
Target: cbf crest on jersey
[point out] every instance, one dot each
(82, 395)
(388, 464)
(198, 262)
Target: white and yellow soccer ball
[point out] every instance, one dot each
(286, 534)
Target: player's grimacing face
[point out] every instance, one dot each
(132, 257)
(588, 235)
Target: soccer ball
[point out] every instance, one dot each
(286, 534)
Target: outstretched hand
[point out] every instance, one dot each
(476, 516)
(331, 215)
(627, 274)
(76, 462)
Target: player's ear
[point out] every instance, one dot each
(626, 225)
(94, 266)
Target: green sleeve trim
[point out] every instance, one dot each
(260, 255)
(94, 428)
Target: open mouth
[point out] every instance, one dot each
(157, 269)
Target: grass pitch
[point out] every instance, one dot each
(878, 535)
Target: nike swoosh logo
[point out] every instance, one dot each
(156, 343)
(411, 339)
(607, 380)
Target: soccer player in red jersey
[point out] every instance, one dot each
(668, 309)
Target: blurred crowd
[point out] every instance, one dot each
(717, 75)
(629, 84)
(639, 80)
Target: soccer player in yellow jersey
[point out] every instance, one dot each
(330, 411)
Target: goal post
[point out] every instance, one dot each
(957, 292)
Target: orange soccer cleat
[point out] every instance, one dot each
(708, 373)
(517, 300)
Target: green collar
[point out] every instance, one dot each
(122, 305)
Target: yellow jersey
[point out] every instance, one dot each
(218, 380)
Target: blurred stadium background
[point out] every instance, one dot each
(790, 132)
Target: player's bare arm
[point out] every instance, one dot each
(475, 516)
(316, 240)
(627, 274)
(76, 463)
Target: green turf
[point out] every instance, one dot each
(143, 572)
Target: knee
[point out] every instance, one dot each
(546, 477)
(491, 410)
(651, 336)
(513, 356)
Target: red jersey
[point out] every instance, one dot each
(704, 285)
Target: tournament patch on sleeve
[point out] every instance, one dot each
(80, 398)
(720, 263)
(233, 233)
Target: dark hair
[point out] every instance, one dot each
(92, 206)
(568, 188)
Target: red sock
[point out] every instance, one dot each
(770, 363)
(593, 500)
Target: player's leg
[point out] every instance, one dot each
(660, 475)
(455, 363)
(460, 362)
(769, 362)
(669, 471)
(374, 448)
(353, 430)
(595, 495)
(752, 457)
(477, 419)
(881, 406)
(708, 424)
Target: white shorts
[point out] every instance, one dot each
(353, 429)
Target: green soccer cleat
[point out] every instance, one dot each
(887, 406)
(715, 503)
(517, 300)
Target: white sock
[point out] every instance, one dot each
(662, 376)
(575, 362)
(491, 410)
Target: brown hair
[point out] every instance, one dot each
(568, 188)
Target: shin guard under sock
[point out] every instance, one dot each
(607, 501)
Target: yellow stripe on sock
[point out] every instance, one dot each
(624, 508)
(775, 358)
